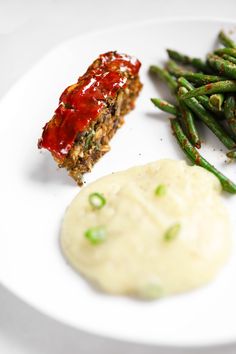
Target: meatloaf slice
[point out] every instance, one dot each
(90, 112)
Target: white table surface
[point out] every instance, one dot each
(28, 29)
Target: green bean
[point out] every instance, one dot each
(210, 121)
(230, 112)
(182, 81)
(185, 59)
(224, 67)
(196, 78)
(215, 87)
(175, 69)
(229, 58)
(228, 51)
(165, 106)
(201, 65)
(164, 76)
(231, 154)
(188, 120)
(204, 100)
(179, 57)
(197, 159)
(202, 79)
(226, 40)
(228, 54)
(216, 100)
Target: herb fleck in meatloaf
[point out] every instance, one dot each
(90, 112)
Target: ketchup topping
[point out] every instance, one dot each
(82, 102)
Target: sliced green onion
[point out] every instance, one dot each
(97, 200)
(96, 234)
(160, 190)
(172, 232)
(151, 291)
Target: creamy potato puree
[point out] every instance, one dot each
(165, 230)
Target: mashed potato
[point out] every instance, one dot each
(159, 229)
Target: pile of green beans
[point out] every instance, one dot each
(205, 90)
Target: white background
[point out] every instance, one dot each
(28, 29)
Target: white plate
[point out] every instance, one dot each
(35, 193)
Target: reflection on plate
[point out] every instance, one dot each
(35, 194)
